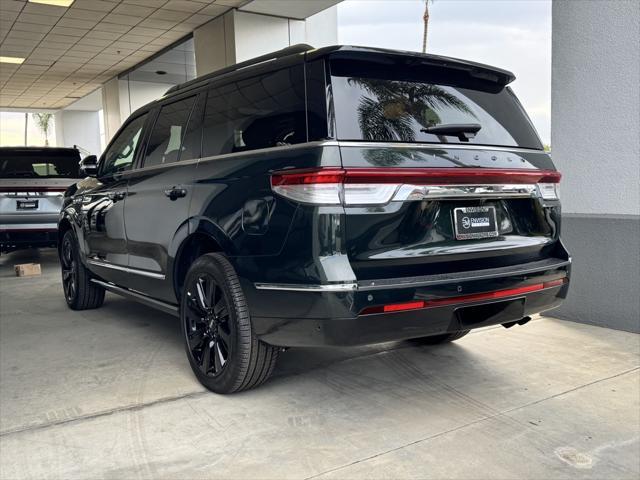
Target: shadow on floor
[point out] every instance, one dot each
(139, 320)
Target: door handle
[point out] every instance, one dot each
(115, 196)
(175, 192)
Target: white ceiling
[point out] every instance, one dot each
(70, 52)
(298, 9)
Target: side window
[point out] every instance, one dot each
(259, 112)
(166, 137)
(192, 142)
(120, 154)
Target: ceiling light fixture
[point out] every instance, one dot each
(57, 3)
(17, 60)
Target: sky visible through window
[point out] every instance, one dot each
(514, 35)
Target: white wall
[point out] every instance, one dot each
(133, 95)
(595, 114)
(257, 34)
(75, 127)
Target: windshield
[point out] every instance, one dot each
(385, 110)
(16, 163)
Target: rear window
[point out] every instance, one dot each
(399, 110)
(39, 164)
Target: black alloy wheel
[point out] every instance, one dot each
(80, 292)
(69, 269)
(224, 353)
(210, 333)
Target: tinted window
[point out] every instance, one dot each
(259, 112)
(25, 163)
(379, 109)
(167, 134)
(192, 141)
(121, 153)
(317, 101)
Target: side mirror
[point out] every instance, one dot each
(89, 165)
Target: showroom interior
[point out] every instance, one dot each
(106, 394)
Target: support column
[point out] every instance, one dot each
(111, 108)
(595, 119)
(237, 36)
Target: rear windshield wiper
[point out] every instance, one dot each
(464, 131)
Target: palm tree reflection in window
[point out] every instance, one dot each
(393, 108)
(389, 116)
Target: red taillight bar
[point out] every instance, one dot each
(449, 176)
(417, 176)
(441, 302)
(308, 177)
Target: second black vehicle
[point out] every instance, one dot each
(339, 196)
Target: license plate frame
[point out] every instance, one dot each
(475, 223)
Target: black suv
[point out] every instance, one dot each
(338, 196)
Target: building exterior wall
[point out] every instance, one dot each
(594, 140)
(321, 29)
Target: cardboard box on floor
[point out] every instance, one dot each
(27, 269)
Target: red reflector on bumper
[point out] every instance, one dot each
(396, 307)
(441, 302)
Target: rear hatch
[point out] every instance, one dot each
(443, 169)
(32, 184)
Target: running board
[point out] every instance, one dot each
(138, 297)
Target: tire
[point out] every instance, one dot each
(444, 338)
(79, 292)
(224, 353)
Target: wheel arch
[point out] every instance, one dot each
(196, 244)
(64, 225)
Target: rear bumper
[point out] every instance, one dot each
(28, 236)
(317, 315)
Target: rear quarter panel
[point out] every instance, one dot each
(233, 201)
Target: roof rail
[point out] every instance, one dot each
(293, 49)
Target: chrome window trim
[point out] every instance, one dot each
(435, 146)
(135, 271)
(280, 148)
(335, 143)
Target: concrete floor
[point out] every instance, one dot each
(109, 394)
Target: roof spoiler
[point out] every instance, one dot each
(392, 58)
(293, 49)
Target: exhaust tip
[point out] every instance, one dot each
(522, 321)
